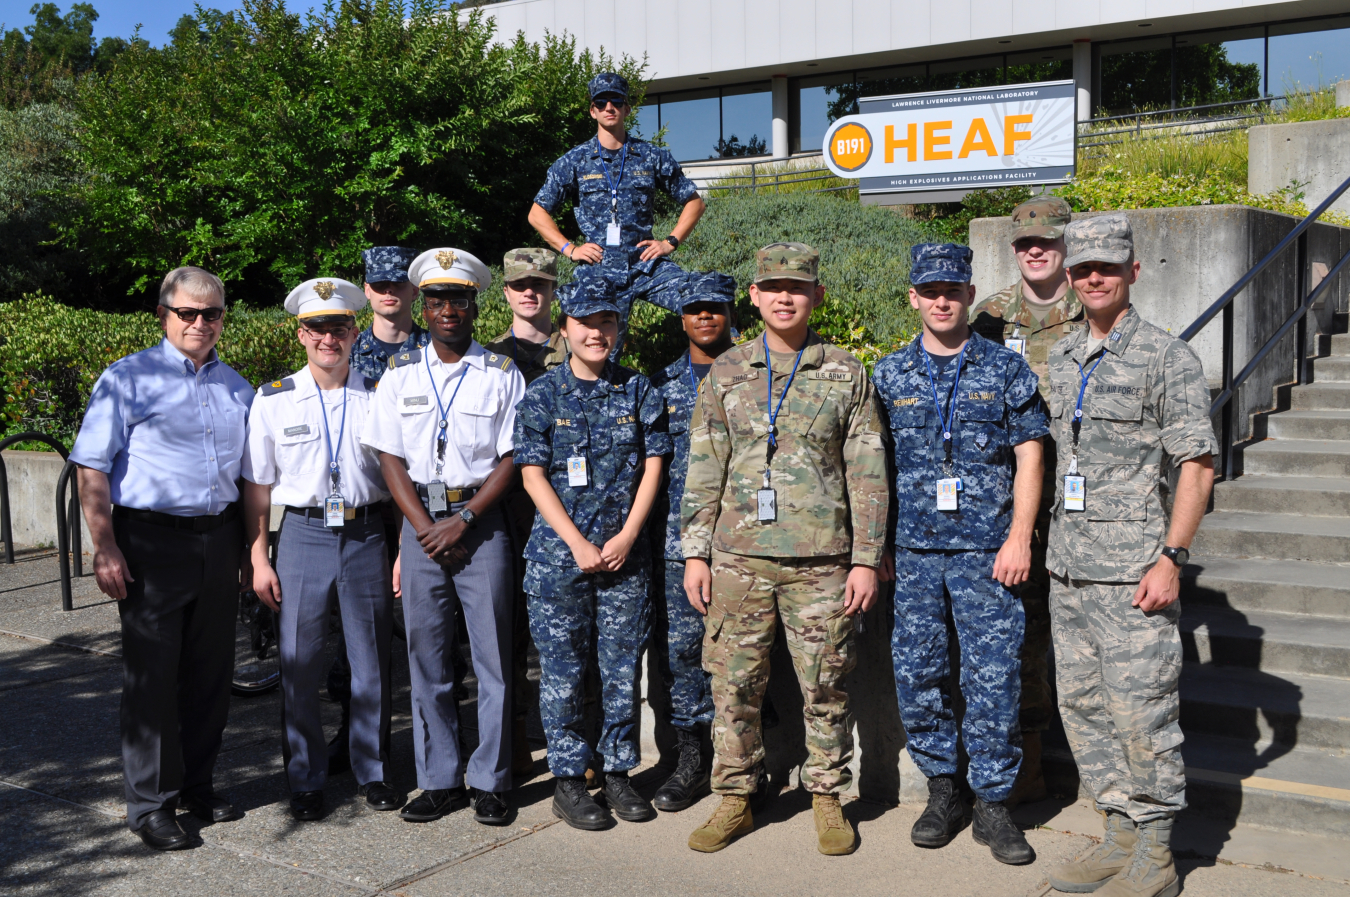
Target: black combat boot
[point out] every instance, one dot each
(689, 781)
(573, 804)
(626, 803)
(942, 818)
(994, 828)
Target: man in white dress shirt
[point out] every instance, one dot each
(442, 421)
(304, 452)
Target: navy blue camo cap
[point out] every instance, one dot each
(576, 301)
(711, 287)
(948, 262)
(609, 85)
(388, 263)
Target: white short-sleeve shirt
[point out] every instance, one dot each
(477, 394)
(287, 449)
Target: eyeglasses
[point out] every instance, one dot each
(459, 300)
(189, 315)
(336, 331)
(601, 104)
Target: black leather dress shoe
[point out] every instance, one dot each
(489, 808)
(432, 805)
(307, 805)
(161, 831)
(381, 796)
(208, 807)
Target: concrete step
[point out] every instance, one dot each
(1314, 396)
(1298, 457)
(1252, 705)
(1263, 585)
(1307, 495)
(1340, 344)
(1331, 369)
(1309, 424)
(1244, 534)
(1273, 643)
(1256, 783)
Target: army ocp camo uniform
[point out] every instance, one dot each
(829, 472)
(1116, 667)
(616, 423)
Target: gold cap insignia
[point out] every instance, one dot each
(446, 258)
(325, 289)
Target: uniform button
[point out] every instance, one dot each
(212, 458)
(213, 488)
(203, 404)
(208, 429)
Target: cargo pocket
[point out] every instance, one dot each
(712, 640)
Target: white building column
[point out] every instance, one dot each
(780, 147)
(1082, 77)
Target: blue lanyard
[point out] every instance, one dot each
(949, 418)
(693, 381)
(1078, 409)
(334, 471)
(444, 411)
(773, 413)
(613, 184)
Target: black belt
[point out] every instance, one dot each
(363, 513)
(204, 524)
(451, 495)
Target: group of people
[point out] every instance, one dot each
(1007, 469)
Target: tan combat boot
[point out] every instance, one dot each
(1030, 785)
(1102, 864)
(834, 834)
(1151, 872)
(728, 822)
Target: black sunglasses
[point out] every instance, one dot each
(601, 104)
(188, 315)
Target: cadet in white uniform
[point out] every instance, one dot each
(304, 452)
(443, 420)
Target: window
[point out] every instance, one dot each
(1134, 75)
(1055, 64)
(1306, 55)
(715, 123)
(816, 103)
(747, 121)
(1219, 67)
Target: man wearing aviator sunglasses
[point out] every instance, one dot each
(611, 181)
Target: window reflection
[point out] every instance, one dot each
(1309, 55)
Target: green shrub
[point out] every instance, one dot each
(1212, 156)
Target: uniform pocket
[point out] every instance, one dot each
(299, 450)
(712, 639)
(981, 433)
(1116, 502)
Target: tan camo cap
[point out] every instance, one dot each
(1105, 238)
(1044, 216)
(787, 261)
(519, 264)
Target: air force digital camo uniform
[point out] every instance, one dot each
(620, 185)
(990, 393)
(829, 470)
(1146, 407)
(292, 431)
(615, 423)
(478, 395)
(679, 629)
(384, 263)
(1005, 318)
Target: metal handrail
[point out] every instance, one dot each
(6, 524)
(1224, 402)
(1133, 115)
(68, 531)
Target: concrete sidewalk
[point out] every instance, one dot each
(62, 828)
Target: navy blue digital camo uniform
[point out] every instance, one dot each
(615, 423)
(369, 355)
(637, 171)
(996, 408)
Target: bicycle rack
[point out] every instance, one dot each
(68, 531)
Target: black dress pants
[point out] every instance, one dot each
(178, 658)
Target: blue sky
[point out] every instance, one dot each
(118, 18)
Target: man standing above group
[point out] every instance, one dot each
(536, 344)
(159, 454)
(784, 517)
(1129, 404)
(612, 181)
(677, 630)
(1029, 317)
(391, 296)
(960, 410)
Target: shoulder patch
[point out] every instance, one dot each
(503, 362)
(276, 386)
(371, 383)
(412, 356)
(840, 376)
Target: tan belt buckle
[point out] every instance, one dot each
(349, 513)
(454, 495)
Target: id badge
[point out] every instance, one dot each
(1017, 344)
(576, 471)
(946, 493)
(436, 498)
(1075, 492)
(767, 499)
(612, 237)
(334, 511)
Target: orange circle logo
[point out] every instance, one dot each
(850, 147)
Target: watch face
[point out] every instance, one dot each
(1183, 557)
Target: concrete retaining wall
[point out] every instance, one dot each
(1188, 258)
(32, 493)
(1313, 154)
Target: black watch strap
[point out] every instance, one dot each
(1178, 556)
(674, 241)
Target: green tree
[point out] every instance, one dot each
(275, 147)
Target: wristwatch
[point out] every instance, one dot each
(1179, 556)
(674, 241)
(467, 516)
